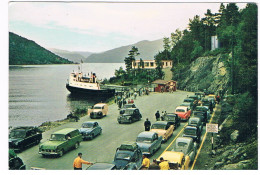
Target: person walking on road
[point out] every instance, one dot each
(145, 163)
(164, 165)
(147, 125)
(77, 164)
(157, 116)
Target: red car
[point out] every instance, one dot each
(183, 112)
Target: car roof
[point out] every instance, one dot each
(131, 109)
(181, 107)
(65, 131)
(172, 156)
(89, 122)
(190, 127)
(184, 139)
(101, 166)
(194, 118)
(161, 122)
(100, 104)
(146, 134)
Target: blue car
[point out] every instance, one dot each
(90, 130)
(149, 142)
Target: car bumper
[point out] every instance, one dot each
(86, 137)
(123, 120)
(96, 116)
(48, 153)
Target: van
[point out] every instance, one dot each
(99, 110)
(60, 142)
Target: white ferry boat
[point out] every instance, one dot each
(79, 84)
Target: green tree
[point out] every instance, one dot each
(167, 47)
(131, 58)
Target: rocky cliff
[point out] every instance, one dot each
(204, 73)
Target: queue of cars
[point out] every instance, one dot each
(128, 156)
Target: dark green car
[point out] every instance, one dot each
(60, 142)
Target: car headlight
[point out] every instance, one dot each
(16, 143)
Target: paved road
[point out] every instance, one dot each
(103, 147)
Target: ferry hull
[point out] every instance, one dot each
(91, 92)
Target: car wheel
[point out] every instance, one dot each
(76, 145)
(100, 132)
(119, 122)
(61, 153)
(37, 142)
(130, 120)
(92, 136)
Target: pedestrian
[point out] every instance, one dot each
(164, 165)
(154, 165)
(163, 115)
(218, 99)
(135, 94)
(145, 163)
(124, 101)
(77, 164)
(147, 125)
(157, 115)
(120, 104)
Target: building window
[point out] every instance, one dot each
(166, 63)
(151, 63)
(147, 64)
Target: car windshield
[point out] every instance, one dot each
(97, 107)
(57, 137)
(182, 144)
(87, 125)
(193, 122)
(190, 131)
(180, 110)
(169, 117)
(123, 156)
(144, 139)
(129, 112)
(17, 134)
(158, 126)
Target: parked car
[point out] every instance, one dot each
(163, 128)
(128, 156)
(24, 136)
(192, 132)
(90, 130)
(130, 115)
(176, 160)
(196, 121)
(15, 162)
(126, 106)
(183, 112)
(195, 98)
(60, 142)
(188, 104)
(187, 146)
(99, 110)
(190, 100)
(102, 166)
(207, 102)
(173, 119)
(212, 98)
(202, 110)
(200, 94)
(149, 142)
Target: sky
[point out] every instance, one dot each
(99, 26)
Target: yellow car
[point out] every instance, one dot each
(177, 160)
(163, 128)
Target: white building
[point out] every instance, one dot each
(150, 64)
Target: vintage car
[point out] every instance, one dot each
(149, 142)
(195, 98)
(102, 166)
(173, 119)
(122, 110)
(187, 146)
(99, 110)
(212, 98)
(188, 104)
(202, 110)
(128, 156)
(183, 112)
(22, 137)
(200, 94)
(196, 121)
(163, 128)
(60, 142)
(176, 160)
(15, 162)
(90, 130)
(192, 132)
(130, 115)
(207, 102)
(190, 100)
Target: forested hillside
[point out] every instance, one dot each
(24, 51)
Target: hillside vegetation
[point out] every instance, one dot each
(23, 51)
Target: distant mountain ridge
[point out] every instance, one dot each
(147, 50)
(75, 56)
(23, 51)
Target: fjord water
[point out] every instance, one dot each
(37, 93)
